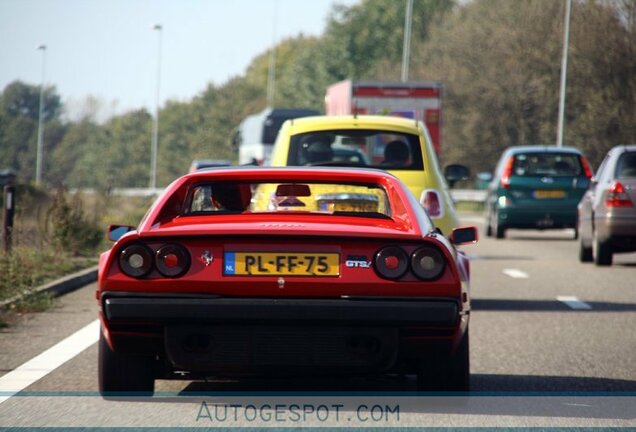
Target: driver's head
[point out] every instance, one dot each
(232, 197)
(319, 149)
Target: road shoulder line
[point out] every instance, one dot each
(41, 365)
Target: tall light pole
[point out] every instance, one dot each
(564, 72)
(271, 73)
(40, 145)
(406, 48)
(155, 128)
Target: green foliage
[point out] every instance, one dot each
(71, 230)
(500, 63)
(19, 114)
(17, 271)
(361, 36)
(26, 268)
(23, 100)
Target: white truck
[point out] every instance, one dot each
(255, 136)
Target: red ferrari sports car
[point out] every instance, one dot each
(284, 272)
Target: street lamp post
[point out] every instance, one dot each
(155, 129)
(406, 48)
(271, 73)
(40, 144)
(564, 72)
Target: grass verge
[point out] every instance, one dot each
(26, 268)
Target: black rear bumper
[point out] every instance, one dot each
(127, 307)
(244, 336)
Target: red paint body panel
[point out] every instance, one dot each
(153, 312)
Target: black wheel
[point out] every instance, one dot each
(122, 374)
(585, 253)
(499, 229)
(602, 252)
(450, 372)
(488, 226)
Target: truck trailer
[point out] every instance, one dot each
(421, 101)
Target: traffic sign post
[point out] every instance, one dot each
(9, 210)
(6, 178)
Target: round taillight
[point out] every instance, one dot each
(391, 262)
(172, 260)
(136, 260)
(427, 263)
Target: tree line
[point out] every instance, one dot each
(499, 61)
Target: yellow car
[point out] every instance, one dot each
(401, 146)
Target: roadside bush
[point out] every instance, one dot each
(71, 230)
(24, 269)
(17, 272)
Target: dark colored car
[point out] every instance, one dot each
(199, 164)
(536, 187)
(607, 215)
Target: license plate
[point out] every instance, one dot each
(356, 207)
(549, 194)
(281, 264)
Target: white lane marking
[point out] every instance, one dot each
(574, 303)
(46, 362)
(516, 274)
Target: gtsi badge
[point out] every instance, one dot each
(357, 262)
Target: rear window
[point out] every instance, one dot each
(371, 148)
(547, 164)
(322, 198)
(626, 166)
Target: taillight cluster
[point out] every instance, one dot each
(426, 262)
(617, 196)
(586, 167)
(170, 260)
(507, 172)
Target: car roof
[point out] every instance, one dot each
(542, 149)
(317, 123)
(248, 172)
(211, 161)
(176, 191)
(624, 147)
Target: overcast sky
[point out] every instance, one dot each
(108, 48)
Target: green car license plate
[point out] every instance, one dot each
(549, 194)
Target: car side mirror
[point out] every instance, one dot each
(464, 235)
(483, 180)
(455, 172)
(115, 232)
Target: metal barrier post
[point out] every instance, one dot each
(9, 210)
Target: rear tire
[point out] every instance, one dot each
(450, 372)
(498, 229)
(488, 226)
(602, 252)
(585, 253)
(123, 374)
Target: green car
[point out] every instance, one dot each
(536, 187)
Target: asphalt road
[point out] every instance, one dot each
(553, 343)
